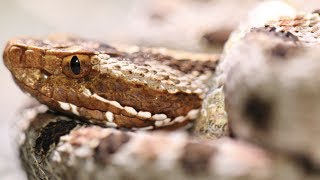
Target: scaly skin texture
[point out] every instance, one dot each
(213, 122)
(127, 87)
(272, 99)
(272, 87)
(53, 146)
(57, 147)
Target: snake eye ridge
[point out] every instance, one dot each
(75, 65)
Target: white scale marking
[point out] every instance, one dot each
(167, 121)
(161, 119)
(143, 128)
(64, 106)
(193, 114)
(180, 119)
(130, 110)
(114, 103)
(87, 92)
(74, 109)
(109, 116)
(144, 114)
(158, 123)
(111, 124)
(100, 98)
(68, 107)
(198, 91)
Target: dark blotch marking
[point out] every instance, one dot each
(283, 51)
(231, 131)
(273, 29)
(104, 46)
(158, 17)
(279, 51)
(258, 111)
(196, 157)
(317, 11)
(75, 65)
(111, 51)
(285, 35)
(109, 145)
(51, 133)
(291, 36)
(45, 72)
(308, 166)
(215, 37)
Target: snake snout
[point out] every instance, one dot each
(12, 56)
(18, 56)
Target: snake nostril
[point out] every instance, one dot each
(317, 11)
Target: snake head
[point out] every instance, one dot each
(128, 87)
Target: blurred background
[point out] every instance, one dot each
(192, 25)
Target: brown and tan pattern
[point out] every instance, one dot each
(271, 88)
(53, 146)
(57, 147)
(126, 87)
(268, 83)
(304, 28)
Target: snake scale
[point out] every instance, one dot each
(142, 89)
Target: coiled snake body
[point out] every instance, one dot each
(118, 87)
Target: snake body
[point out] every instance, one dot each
(54, 146)
(127, 87)
(254, 81)
(279, 107)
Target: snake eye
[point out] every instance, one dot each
(76, 66)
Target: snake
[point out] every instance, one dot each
(121, 87)
(55, 146)
(279, 107)
(82, 84)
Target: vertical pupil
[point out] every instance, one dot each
(75, 65)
